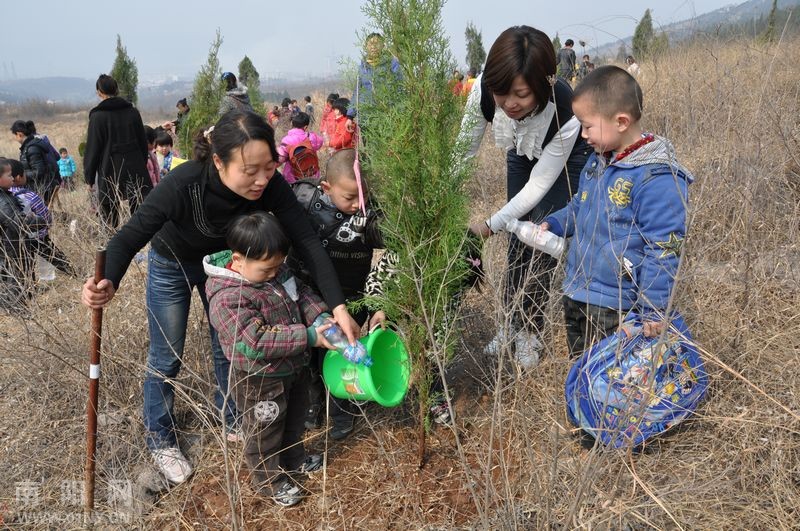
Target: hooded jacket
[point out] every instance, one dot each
(236, 98)
(294, 137)
(263, 328)
(116, 146)
(33, 156)
(628, 222)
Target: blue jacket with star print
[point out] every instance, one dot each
(627, 222)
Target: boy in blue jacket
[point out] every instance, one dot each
(628, 219)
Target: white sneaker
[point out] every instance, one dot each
(173, 464)
(527, 348)
(501, 340)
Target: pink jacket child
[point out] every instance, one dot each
(296, 135)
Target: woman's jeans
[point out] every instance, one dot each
(530, 274)
(168, 296)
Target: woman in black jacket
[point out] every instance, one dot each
(41, 174)
(185, 218)
(116, 152)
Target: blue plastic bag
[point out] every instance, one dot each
(628, 388)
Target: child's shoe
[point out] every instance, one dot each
(526, 350)
(440, 412)
(172, 464)
(342, 427)
(288, 494)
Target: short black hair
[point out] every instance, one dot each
(569, 42)
(258, 235)
(63, 150)
(612, 90)
(333, 96)
(308, 99)
(300, 120)
(341, 104)
(163, 139)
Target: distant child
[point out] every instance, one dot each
(298, 150)
(295, 108)
(16, 265)
(163, 145)
(332, 206)
(153, 168)
(67, 169)
(267, 321)
(343, 136)
(38, 215)
(327, 123)
(309, 110)
(273, 116)
(628, 219)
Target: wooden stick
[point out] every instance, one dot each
(94, 388)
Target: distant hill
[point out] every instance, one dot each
(740, 16)
(72, 90)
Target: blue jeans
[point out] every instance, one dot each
(168, 295)
(531, 272)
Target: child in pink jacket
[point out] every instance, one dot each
(296, 135)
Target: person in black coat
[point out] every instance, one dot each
(116, 152)
(33, 154)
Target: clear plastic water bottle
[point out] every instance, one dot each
(355, 353)
(532, 235)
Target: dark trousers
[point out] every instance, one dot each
(45, 248)
(529, 274)
(272, 412)
(587, 324)
(111, 191)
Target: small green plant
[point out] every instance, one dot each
(126, 74)
(205, 99)
(248, 76)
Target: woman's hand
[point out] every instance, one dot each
(97, 295)
(480, 229)
(377, 319)
(346, 323)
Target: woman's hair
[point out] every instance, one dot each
(107, 85)
(231, 132)
(630, 59)
(300, 120)
(521, 51)
(17, 169)
(27, 128)
(285, 102)
(333, 96)
(342, 104)
(258, 235)
(182, 102)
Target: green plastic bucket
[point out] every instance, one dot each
(385, 381)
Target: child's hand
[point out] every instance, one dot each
(544, 225)
(321, 341)
(653, 328)
(378, 318)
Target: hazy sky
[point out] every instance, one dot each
(171, 37)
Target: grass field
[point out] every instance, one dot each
(511, 461)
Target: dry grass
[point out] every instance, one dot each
(511, 462)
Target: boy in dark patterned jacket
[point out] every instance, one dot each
(267, 321)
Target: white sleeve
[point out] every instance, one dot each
(544, 174)
(473, 124)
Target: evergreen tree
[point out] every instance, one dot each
(476, 55)
(205, 99)
(418, 182)
(768, 36)
(126, 74)
(643, 36)
(248, 76)
(556, 44)
(660, 45)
